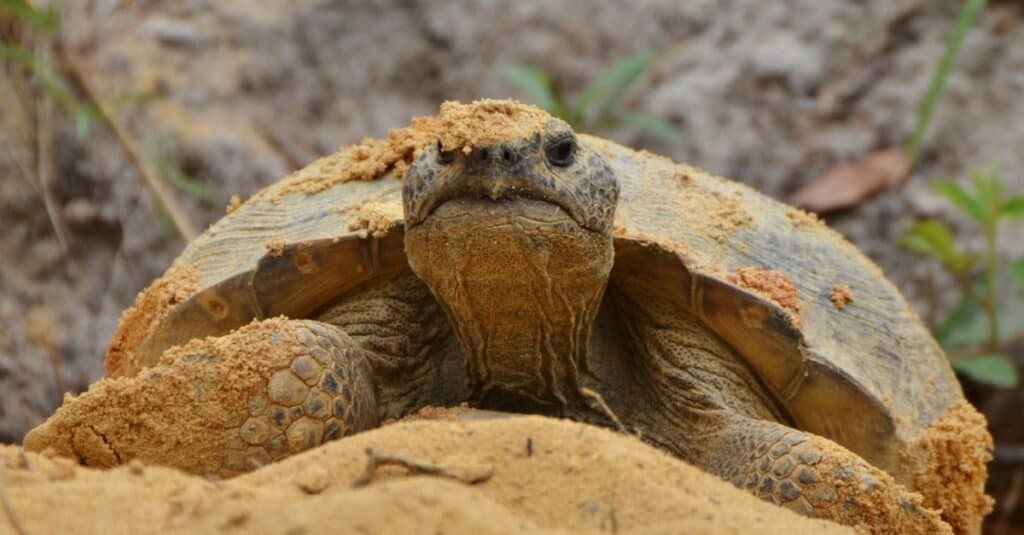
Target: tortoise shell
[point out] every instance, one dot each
(817, 321)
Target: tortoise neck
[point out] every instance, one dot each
(522, 296)
(664, 376)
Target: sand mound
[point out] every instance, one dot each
(538, 475)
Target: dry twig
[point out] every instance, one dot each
(44, 140)
(184, 225)
(603, 407)
(1009, 506)
(8, 510)
(469, 475)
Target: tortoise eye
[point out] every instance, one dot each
(560, 151)
(444, 157)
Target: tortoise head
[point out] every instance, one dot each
(514, 238)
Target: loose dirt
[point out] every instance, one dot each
(548, 476)
(138, 322)
(951, 456)
(769, 283)
(456, 127)
(375, 217)
(211, 380)
(841, 295)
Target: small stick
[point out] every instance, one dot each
(599, 401)
(212, 479)
(44, 138)
(23, 460)
(375, 459)
(186, 228)
(8, 510)
(1011, 502)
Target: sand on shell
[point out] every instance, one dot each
(547, 476)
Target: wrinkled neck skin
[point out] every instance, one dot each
(521, 283)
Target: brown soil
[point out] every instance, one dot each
(233, 203)
(804, 219)
(951, 456)
(275, 247)
(137, 323)
(210, 380)
(841, 295)
(769, 283)
(456, 127)
(878, 504)
(375, 217)
(548, 476)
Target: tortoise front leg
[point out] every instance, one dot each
(223, 405)
(814, 476)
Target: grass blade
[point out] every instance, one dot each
(51, 83)
(956, 38)
(612, 84)
(46, 19)
(186, 183)
(653, 125)
(537, 87)
(959, 197)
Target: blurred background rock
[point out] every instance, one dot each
(221, 98)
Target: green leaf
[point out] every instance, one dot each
(994, 369)
(1017, 272)
(653, 125)
(537, 86)
(46, 19)
(958, 322)
(186, 183)
(932, 237)
(1014, 207)
(85, 116)
(989, 190)
(162, 217)
(956, 38)
(959, 197)
(611, 85)
(51, 83)
(133, 98)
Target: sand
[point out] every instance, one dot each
(138, 322)
(951, 456)
(457, 126)
(841, 295)
(539, 475)
(768, 283)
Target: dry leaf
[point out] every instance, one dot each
(847, 184)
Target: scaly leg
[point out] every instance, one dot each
(223, 405)
(814, 476)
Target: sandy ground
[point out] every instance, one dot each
(770, 94)
(496, 475)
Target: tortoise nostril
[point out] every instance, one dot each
(507, 156)
(485, 154)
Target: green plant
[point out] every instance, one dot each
(985, 320)
(45, 19)
(194, 188)
(32, 42)
(598, 105)
(938, 82)
(47, 22)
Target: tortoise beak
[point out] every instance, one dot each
(499, 173)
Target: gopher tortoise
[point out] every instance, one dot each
(491, 255)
